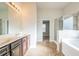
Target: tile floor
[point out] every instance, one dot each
(44, 49)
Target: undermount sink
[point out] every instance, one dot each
(5, 39)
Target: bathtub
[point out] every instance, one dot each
(68, 42)
(70, 47)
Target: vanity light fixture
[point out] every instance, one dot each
(14, 6)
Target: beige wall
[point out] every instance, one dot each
(29, 21)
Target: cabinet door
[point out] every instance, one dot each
(16, 48)
(24, 45)
(16, 51)
(28, 41)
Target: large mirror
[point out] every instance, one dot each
(3, 19)
(10, 18)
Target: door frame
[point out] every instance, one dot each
(49, 29)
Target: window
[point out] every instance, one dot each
(68, 23)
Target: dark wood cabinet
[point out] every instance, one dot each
(16, 48)
(25, 44)
(5, 51)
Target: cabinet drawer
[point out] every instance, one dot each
(6, 54)
(15, 44)
(4, 50)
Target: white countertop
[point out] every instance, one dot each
(7, 39)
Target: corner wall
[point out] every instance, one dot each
(71, 8)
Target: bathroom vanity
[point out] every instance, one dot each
(14, 46)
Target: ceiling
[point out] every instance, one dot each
(57, 5)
